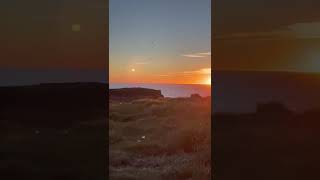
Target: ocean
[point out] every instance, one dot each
(170, 90)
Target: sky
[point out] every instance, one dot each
(273, 35)
(160, 41)
(51, 41)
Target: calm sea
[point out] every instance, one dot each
(171, 90)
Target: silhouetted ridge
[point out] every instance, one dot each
(52, 104)
(128, 94)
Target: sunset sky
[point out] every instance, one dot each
(273, 35)
(160, 41)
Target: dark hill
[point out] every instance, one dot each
(52, 104)
(128, 94)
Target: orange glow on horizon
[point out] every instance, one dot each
(140, 79)
(141, 76)
(208, 81)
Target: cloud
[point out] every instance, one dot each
(197, 55)
(192, 56)
(205, 53)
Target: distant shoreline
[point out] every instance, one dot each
(170, 90)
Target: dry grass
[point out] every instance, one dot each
(160, 139)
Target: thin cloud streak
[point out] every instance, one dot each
(197, 55)
(192, 56)
(205, 53)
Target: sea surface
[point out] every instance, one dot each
(170, 90)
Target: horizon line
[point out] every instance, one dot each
(157, 83)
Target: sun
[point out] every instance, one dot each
(207, 81)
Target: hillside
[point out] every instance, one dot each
(166, 138)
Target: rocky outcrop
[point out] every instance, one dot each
(129, 94)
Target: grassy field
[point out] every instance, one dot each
(160, 139)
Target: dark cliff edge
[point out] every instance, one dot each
(52, 104)
(128, 94)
